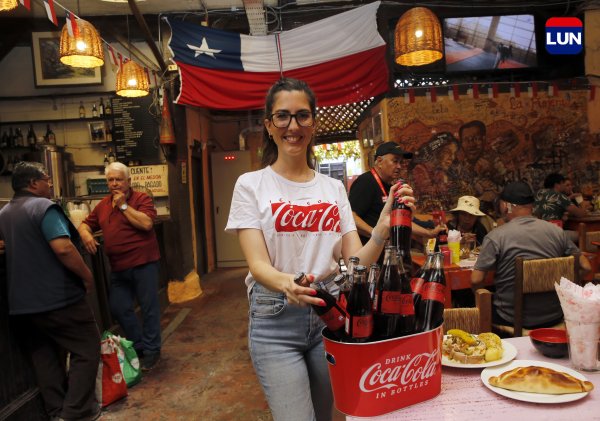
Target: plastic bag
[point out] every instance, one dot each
(110, 384)
(128, 359)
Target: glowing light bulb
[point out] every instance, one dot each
(418, 33)
(132, 82)
(80, 45)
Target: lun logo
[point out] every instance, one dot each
(564, 35)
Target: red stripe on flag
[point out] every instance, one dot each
(533, 89)
(26, 3)
(335, 82)
(516, 87)
(475, 91)
(455, 93)
(495, 90)
(111, 55)
(49, 5)
(409, 95)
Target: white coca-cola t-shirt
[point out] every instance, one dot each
(303, 223)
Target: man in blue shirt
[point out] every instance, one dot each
(47, 281)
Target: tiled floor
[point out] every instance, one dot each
(205, 372)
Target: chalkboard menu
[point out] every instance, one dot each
(135, 130)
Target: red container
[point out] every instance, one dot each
(375, 378)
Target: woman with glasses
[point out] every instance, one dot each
(290, 219)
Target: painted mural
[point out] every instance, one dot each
(475, 146)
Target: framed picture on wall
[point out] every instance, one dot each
(377, 135)
(49, 71)
(99, 131)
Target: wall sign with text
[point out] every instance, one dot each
(151, 177)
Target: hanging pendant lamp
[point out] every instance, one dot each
(132, 80)
(6, 5)
(418, 38)
(84, 49)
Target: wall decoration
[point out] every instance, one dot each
(48, 69)
(377, 133)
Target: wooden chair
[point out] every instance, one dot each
(589, 242)
(476, 319)
(535, 276)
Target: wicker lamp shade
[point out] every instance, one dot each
(418, 38)
(132, 80)
(6, 5)
(85, 49)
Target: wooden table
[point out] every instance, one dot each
(464, 398)
(457, 277)
(592, 222)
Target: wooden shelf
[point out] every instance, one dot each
(50, 121)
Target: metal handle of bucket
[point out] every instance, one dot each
(330, 358)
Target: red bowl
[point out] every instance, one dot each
(550, 342)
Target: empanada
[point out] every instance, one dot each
(535, 379)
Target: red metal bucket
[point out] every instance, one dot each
(375, 378)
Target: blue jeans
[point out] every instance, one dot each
(287, 352)
(140, 282)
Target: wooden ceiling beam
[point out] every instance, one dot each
(147, 35)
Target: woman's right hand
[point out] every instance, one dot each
(298, 293)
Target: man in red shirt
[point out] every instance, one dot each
(126, 218)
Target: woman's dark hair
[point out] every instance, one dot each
(24, 172)
(270, 153)
(552, 179)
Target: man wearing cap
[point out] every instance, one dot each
(369, 191)
(466, 218)
(527, 236)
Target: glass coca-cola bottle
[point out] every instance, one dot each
(401, 230)
(372, 279)
(359, 317)
(347, 285)
(417, 281)
(430, 310)
(332, 314)
(406, 322)
(386, 300)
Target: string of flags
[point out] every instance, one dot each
(492, 90)
(116, 59)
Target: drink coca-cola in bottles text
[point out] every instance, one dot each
(430, 310)
(393, 301)
(359, 317)
(401, 230)
(331, 313)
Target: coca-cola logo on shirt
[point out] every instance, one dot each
(398, 372)
(312, 218)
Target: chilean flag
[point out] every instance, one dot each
(342, 58)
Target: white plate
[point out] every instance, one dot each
(532, 397)
(510, 352)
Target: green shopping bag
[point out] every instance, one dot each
(128, 359)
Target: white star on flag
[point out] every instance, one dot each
(203, 49)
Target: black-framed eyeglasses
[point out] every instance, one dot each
(47, 179)
(282, 120)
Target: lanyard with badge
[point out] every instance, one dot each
(384, 193)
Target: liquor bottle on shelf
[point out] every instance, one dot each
(31, 137)
(430, 310)
(101, 108)
(19, 141)
(106, 162)
(108, 132)
(359, 316)
(4, 140)
(111, 156)
(108, 107)
(49, 137)
(81, 110)
(94, 111)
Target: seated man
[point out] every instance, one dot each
(552, 203)
(522, 235)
